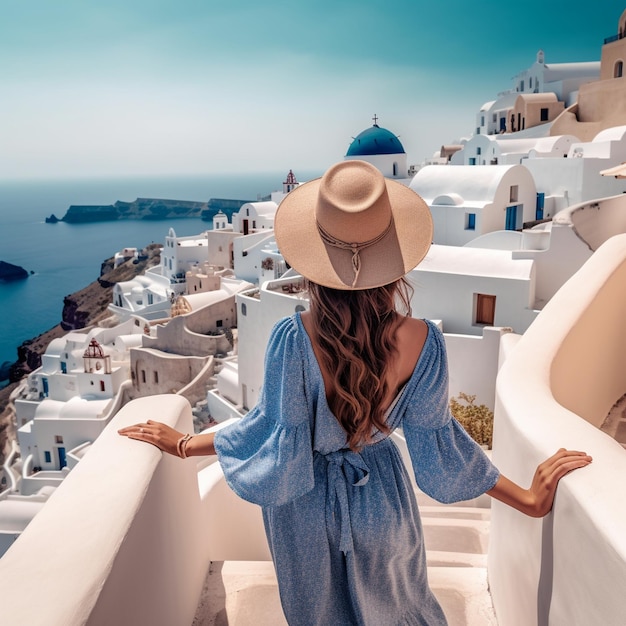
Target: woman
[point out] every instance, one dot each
(340, 514)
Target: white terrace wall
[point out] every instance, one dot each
(263, 308)
(554, 389)
(121, 541)
(473, 364)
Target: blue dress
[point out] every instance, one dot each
(343, 527)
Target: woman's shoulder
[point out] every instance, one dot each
(412, 336)
(284, 336)
(415, 328)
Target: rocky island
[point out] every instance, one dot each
(148, 209)
(10, 272)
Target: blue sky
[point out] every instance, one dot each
(190, 86)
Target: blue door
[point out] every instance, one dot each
(511, 218)
(62, 460)
(44, 382)
(541, 197)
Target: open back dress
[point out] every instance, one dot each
(343, 527)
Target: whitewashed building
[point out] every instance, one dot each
(125, 254)
(509, 113)
(601, 103)
(178, 356)
(254, 216)
(470, 289)
(506, 150)
(568, 181)
(257, 312)
(67, 402)
(467, 201)
(149, 295)
(259, 309)
(249, 253)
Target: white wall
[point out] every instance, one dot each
(518, 176)
(565, 256)
(248, 254)
(597, 221)
(445, 293)
(556, 385)
(452, 191)
(118, 542)
(450, 222)
(473, 364)
(262, 312)
(259, 216)
(574, 179)
(220, 244)
(385, 163)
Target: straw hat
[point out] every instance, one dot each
(353, 228)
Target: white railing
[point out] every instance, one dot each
(554, 389)
(121, 541)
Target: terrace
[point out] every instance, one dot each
(136, 537)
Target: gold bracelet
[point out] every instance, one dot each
(181, 446)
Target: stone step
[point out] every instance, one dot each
(456, 512)
(444, 534)
(245, 593)
(240, 593)
(463, 593)
(446, 558)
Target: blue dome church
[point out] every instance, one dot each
(381, 148)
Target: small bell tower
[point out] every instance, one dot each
(291, 183)
(95, 360)
(220, 220)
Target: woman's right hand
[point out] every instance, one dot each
(158, 434)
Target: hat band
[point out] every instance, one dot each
(354, 247)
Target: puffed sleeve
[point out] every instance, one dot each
(267, 455)
(449, 465)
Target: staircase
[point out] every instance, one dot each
(245, 593)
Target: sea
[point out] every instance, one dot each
(64, 258)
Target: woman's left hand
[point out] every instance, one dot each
(158, 434)
(538, 499)
(548, 474)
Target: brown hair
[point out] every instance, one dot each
(356, 334)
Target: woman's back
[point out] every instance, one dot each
(410, 338)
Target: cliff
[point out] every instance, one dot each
(148, 209)
(83, 308)
(80, 309)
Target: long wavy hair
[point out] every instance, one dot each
(356, 335)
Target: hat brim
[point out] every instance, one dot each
(398, 252)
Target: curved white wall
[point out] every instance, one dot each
(554, 388)
(122, 539)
